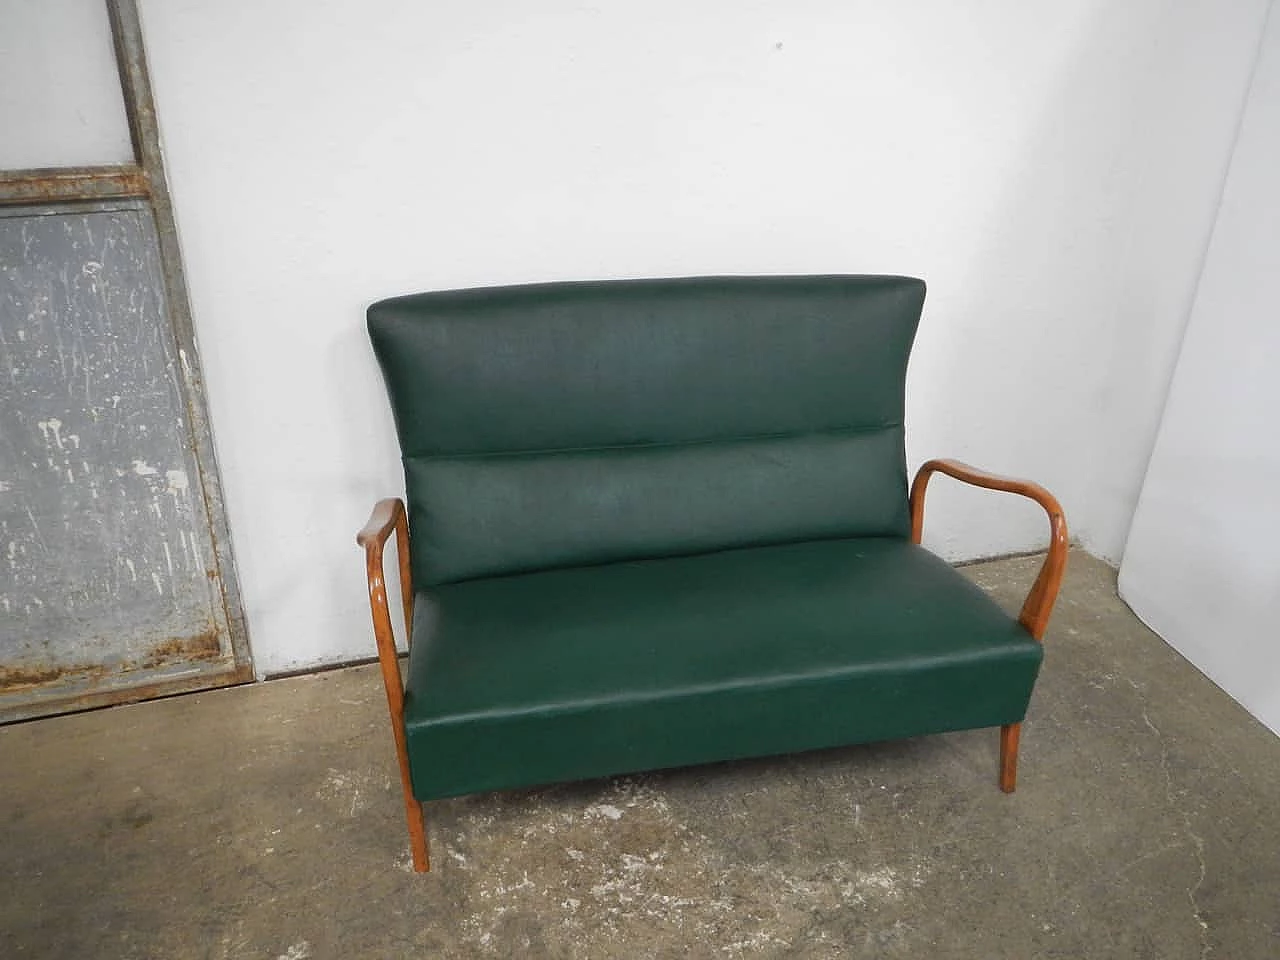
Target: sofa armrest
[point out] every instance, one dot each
(1039, 603)
(388, 517)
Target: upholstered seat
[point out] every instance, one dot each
(588, 671)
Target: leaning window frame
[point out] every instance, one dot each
(144, 179)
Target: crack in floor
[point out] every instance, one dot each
(1196, 839)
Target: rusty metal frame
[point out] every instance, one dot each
(145, 179)
(72, 183)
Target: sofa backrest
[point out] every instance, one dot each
(564, 424)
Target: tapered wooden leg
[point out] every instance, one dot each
(413, 808)
(1009, 735)
(417, 834)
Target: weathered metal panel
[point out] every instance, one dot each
(108, 570)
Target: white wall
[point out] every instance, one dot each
(1050, 167)
(1201, 565)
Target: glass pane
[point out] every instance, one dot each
(60, 99)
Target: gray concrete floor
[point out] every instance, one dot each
(266, 822)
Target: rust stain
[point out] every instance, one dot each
(203, 646)
(72, 183)
(21, 678)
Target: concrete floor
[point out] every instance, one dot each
(266, 822)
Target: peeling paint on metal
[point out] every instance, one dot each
(102, 546)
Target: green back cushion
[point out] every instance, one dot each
(564, 424)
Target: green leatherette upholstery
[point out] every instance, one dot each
(583, 672)
(572, 423)
(656, 523)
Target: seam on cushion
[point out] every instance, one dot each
(651, 445)
(1013, 649)
(714, 551)
(588, 565)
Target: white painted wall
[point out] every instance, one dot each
(1201, 566)
(60, 99)
(1050, 167)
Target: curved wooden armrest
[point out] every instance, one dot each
(388, 517)
(1039, 603)
(382, 521)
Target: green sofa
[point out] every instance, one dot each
(666, 522)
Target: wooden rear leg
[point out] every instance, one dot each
(1009, 735)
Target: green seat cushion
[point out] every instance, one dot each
(590, 671)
